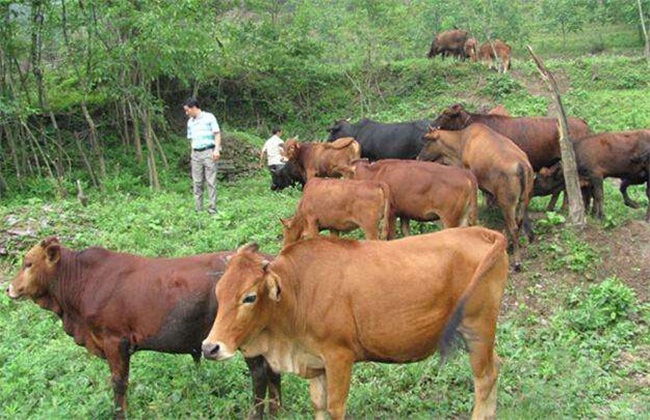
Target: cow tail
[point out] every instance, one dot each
(451, 336)
(385, 223)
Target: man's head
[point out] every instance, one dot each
(192, 108)
(277, 131)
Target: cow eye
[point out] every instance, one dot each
(27, 264)
(250, 298)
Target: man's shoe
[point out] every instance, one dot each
(212, 211)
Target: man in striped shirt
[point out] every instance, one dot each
(203, 131)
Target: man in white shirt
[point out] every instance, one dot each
(275, 160)
(203, 131)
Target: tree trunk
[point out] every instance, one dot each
(645, 32)
(570, 169)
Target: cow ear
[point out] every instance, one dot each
(272, 282)
(53, 253)
(226, 259)
(286, 222)
(249, 247)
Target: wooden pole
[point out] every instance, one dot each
(645, 32)
(569, 167)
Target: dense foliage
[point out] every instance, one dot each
(80, 78)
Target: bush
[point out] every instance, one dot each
(605, 305)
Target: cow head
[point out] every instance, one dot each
(291, 148)
(453, 118)
(438, 148)
(547, 180)
(246, 292)
(341, 128)
(39, 268)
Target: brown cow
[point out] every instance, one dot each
(550, 181)
(449, 43)
(340, 205)
(500, 167)
(503, 51)
(624, 155)
(325, 304)
(115, 304)
(423, 191)
(471, 49)
(537, 136)
(323, 159)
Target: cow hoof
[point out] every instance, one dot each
(632, 204)
(516, 267)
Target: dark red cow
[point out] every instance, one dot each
(449, 43)
(537, 136)
(115, 304)
(624, 155)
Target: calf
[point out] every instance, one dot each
(340, 205)
(624, 155)
(490, 50)
(423, 191)
(500, 167)
(550, 181)
(470, 49)
(325, 304)
(322, 159)
(115, 304)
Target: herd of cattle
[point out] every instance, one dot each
(323, 303)
(457, 43)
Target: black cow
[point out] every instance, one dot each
(287, 176)
(383, 141)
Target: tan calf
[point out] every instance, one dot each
(340, 205)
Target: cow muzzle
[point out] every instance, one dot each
(216, 351)
(12, 293)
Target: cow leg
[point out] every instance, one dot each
(391, 219)
(599, 196)
(485, 365)
(258, 368)
(318, 395)
(338, 368)
(553, 201)
(647, 193)
(626, 198)
(334, 233)
(405, 224)
(512, 228)
(118, 358)
(275, 390)
(370, 230)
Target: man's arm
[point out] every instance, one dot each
(216, 154)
